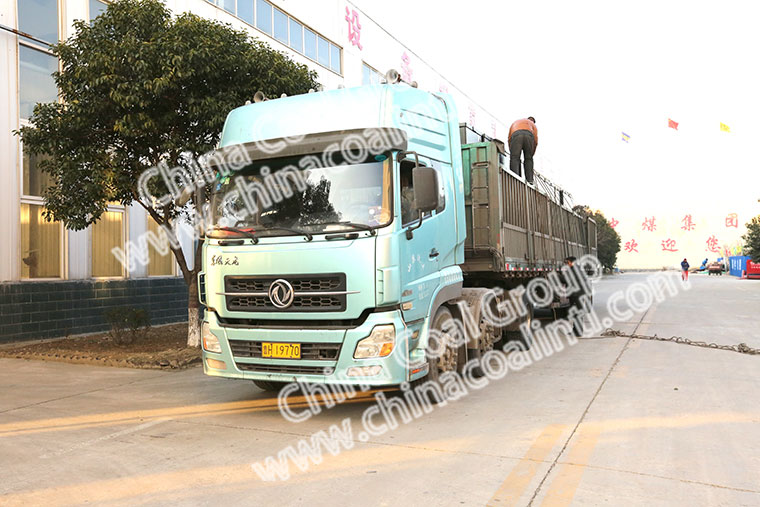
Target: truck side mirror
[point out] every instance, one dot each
(425, 184)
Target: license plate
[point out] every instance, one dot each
(281, 350)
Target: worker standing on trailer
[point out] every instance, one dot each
(523, 138)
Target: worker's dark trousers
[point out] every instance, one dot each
(522, 142)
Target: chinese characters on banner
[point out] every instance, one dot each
(687, 223)
(354, 27)
(677, 240)
(669, 245)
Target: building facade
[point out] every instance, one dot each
(54, 281)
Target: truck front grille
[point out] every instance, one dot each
(278, 368)
(309, 351)
(237, 300)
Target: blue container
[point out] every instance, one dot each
(737, 264)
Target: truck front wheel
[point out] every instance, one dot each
(442, 352)
(268, 385)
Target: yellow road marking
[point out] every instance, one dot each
(514, 485)
(133, 416)
(563, 487)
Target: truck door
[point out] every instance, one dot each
(420, 256)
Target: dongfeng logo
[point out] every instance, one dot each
(281, 293)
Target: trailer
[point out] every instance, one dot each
(515, 230)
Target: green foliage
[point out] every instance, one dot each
(139, 87)
(752, 239)
(126, 323)
(608, 240)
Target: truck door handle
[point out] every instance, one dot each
(433, 253)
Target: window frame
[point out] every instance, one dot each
(89, 14)
(148, 219)
(125, 273)
(38, 200)
(372, 71)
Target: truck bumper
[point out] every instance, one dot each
(320, 362)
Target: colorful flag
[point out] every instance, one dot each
(672, 124)
(724, 127)
(626, 137)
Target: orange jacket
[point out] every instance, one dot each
(524, 124)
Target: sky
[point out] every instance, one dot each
(588, 71)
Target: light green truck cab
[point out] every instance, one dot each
(349, 297)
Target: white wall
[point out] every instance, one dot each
(9, 163)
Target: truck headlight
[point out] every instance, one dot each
(210, 342)
(379, 343)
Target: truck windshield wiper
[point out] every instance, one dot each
(308, 235)
(246, 233)
(364, 227)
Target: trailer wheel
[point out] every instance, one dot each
(442, 353)
(269, 385)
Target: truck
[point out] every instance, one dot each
(350, 226)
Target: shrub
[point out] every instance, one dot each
(126, 323)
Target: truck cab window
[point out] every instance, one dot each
(408, 213)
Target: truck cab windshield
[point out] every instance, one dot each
(291, 196)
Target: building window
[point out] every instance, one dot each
(34, 181)
(36, 83)
(39, 18)
(245, 10)
(159, 265)
(97, 7)
(40, 244)
(280, 26)
(107, 233)
(264, 16)
(228, 5)
(335, 58)
(296, 35)
(309, 44)
(370, 76)
(323, 52)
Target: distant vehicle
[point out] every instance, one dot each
(715, 268)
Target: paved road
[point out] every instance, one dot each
(605, 422)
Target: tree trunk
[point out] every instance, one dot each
(193, 314)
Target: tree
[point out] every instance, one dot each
(139, 88)
(752, 239)
(607, 239)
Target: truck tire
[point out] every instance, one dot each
(444, 355)
(269, 385)
(489, 336)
